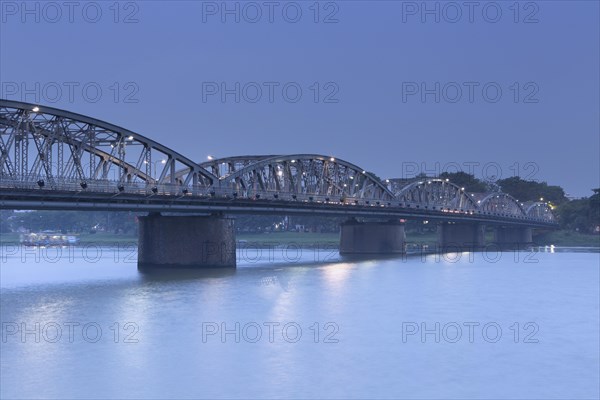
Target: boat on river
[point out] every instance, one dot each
(48, 238)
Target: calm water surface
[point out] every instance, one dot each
(519, 325)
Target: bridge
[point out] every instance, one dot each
(52, 159)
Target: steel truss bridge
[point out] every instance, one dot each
(55, 159)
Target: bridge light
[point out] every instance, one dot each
(280, 173)
(83, 185)
(163, 161)
(541, 199)
(387, 181)
(447, 180)
(41, 183)
(36, 109)
(332, 159)
(130, 138)
(209, 158)
(293, 161)
(462, 188)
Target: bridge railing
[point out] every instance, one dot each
(112, 187)
(104, 186)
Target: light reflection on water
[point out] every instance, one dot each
(366, 303)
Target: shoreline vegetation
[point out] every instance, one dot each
(306, 239)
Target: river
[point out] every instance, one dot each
(85, 323)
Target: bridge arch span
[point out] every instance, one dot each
(306, 177)
(501, 204)
(436, 194)
(65, 150)
(223, 167)
(540, 211)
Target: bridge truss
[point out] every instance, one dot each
(46, 152)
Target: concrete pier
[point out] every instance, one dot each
(461, 237)
(513, 237)
(364, 238)
(186, 241)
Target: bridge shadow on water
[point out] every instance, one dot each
(158, 273)
(357, 258)
(153, 273)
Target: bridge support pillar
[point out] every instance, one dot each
(363, 238)
(186, 241)
(461, 237)
(513, 237)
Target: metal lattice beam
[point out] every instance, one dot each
(67, 150)
(306, 176)
(51, 153)
(541, 211)
(436, 194)
(501, 204)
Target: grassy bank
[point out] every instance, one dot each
(567, 238)
(557, 238)
(101, 238)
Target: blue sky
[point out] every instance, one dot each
(361, 70)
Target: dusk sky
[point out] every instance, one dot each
(361, 67)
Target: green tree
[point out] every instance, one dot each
(524, 190)
(468, 181)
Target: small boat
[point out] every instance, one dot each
(48, 239)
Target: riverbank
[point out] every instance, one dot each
(567, 238)
(101, 238)
(305, 239)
